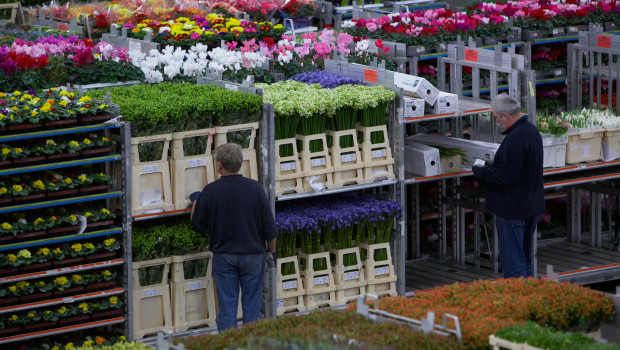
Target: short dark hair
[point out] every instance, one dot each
(230, 155)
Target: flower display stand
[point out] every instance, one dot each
(350, 280)
(151, 190)
(289, 289)
(499, 344)
(554, 150)
(347, 162)
(584, 145)
(380, 275)
(319, 284)
(612, 138)
(315, 164)
(151, 310)
(190, 173)
(288, 173)
(377, 158)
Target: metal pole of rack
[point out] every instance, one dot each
(267, 160)
(400, 238)
(125, 138)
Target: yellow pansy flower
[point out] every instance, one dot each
(24, 253)
(113, 300)
(63, 103)
(34, 113)
(86, 142)
(17, 188)
(17, 93)
(18, 150)
(6, 226)
(277, 26)
(67, 180)
(12, 257)
(105, 211)
(77, 247)
(39, 221)
(46, 107)
(13, 288)
(3, 190)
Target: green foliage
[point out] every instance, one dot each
(121, 346)
(546, 338)
(103, 72)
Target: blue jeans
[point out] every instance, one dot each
(230, 271)
(515, 245)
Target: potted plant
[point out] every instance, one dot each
(108, 249)
(300, 11)
(57, 185)
(101, 280)
(11, 324)
(24, 155)
(64, 285)
(5, 194)
(6, 155)
(95, 144)
(37, 228)
(65, 314)
(100, 182)
(108, 307)
(20, 192)
(27, 260)
(7, 232)
(99, 217)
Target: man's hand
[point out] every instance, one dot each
(194, 196)
(478, 170)
(272, 262)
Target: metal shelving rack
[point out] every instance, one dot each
(124, 231)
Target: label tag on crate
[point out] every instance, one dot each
(195, 163)
(603, 41)
(279, 304)
(195, 285)
(471, 55)
(421, 49)
(150, 169)
(288, 166)
(244, 157)
(318, 162)
(558, 72)
(151, 292)
(382, 270)
(320, 280)
(370, 75)
(289, 285)
(351, 275)
(231, 87)
(322, 296)
(379, 172)
(68, 300)
(378, 154)
(585, 151)
(348, 158)
(556, 31)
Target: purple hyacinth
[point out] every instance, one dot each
(327, 80)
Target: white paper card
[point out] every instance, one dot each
(195, 285)
(68, 300)
(318, 162)
(153, 196)
(320, 280)
(322, 296)
(279, 304)
(151, 292)
(558, 72)
(348, 158)
(150, 169)
(289, 285)
(378, 154)
(479, 162)
(287, 166)
(382, 270)
(195, 163)
(351, 275)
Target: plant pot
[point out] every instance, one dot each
(29, 197)
(36, 296)
(63, 156)
(100, 256)
(61, 122)
(29, 160)
(24, 127)
(10, 330)
(74, 319)
(39, 325)
(8, 271)
(30, 235)
(62, 193)
(67, 291)
(37, 266)
(68, 261)
(64, 229)
(5, 200)
(97, 151)
(94, 188)
(107, 314)
(9, 301)
(6, 239)
(96, 119)
(101, 285)
(100, 223)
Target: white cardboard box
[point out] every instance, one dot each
(414, 107)
(416, 87)
(446, 103)
(473, 149)
(422, 159)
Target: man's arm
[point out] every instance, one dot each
(271, 246)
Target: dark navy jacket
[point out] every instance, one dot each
(515, 179)
(236, 212)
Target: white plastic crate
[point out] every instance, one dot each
(151, 310)
(347, 161)
(193, 304)
(380, 275)
(319, 284)
(377, 158)
(222, 131)
(584, 146)
(612, 139)
(554, 150)
(163, 263)
(289, 288)
(350, 280)
(177, 262)
(288, 173)
(315, 164)
(151, 191)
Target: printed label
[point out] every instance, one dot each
(321, 297)
(370, 75)
(573, 29)
(558, 72)
(287, 166)
(603, 41)
(421, 49)
(196, 162)
(351, 275)
(68, 300)
(382, 270)
(378, 154)
(195, 285)
(62, 26)
(348, 158)
(289, 285)
(585, 151)
(556, 31)
(279, 304)
(150, 169)
(471, 55)
(379, 172)
(151, 292)
(318, 162)
(231, 87)
(320, 280)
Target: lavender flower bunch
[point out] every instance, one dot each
(327, 80)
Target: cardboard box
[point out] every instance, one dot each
(414, 107)
(446, 103)
(451, 165)
(416, 87)
(421, 159)
(473, 149)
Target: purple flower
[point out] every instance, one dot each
(327, 80)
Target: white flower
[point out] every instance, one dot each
(348, 24)
(164, 29)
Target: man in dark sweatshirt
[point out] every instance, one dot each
(515, 186)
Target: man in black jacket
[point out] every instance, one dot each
(515, 186)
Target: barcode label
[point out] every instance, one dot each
(279, 303)
(318, 162)
(288, 166)
(558, 72)
(320, 280)
(196, 162)
(382, 270)
(378, 154)
(348, 158)
(150, 169)
(195, 285)
(351, 275)
(289, 285)
(231, 87)
(151, 292)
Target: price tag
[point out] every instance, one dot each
(322, 297)
(351, 275)
(195, 285)
(603, 41)
(421, 49)
(318, 162)
(62, 26)
(555, 31)
(231, 87)
(68, 300)
(370, 75)
(378, 154)
(196, 162)
(287, 166)
(151, 292)
(558, 72)
(289, 285)
(320, 280)
(279, 304)
(471, 55)
(573, 29)
(150, 169)
(382, 270)
(348, 158)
